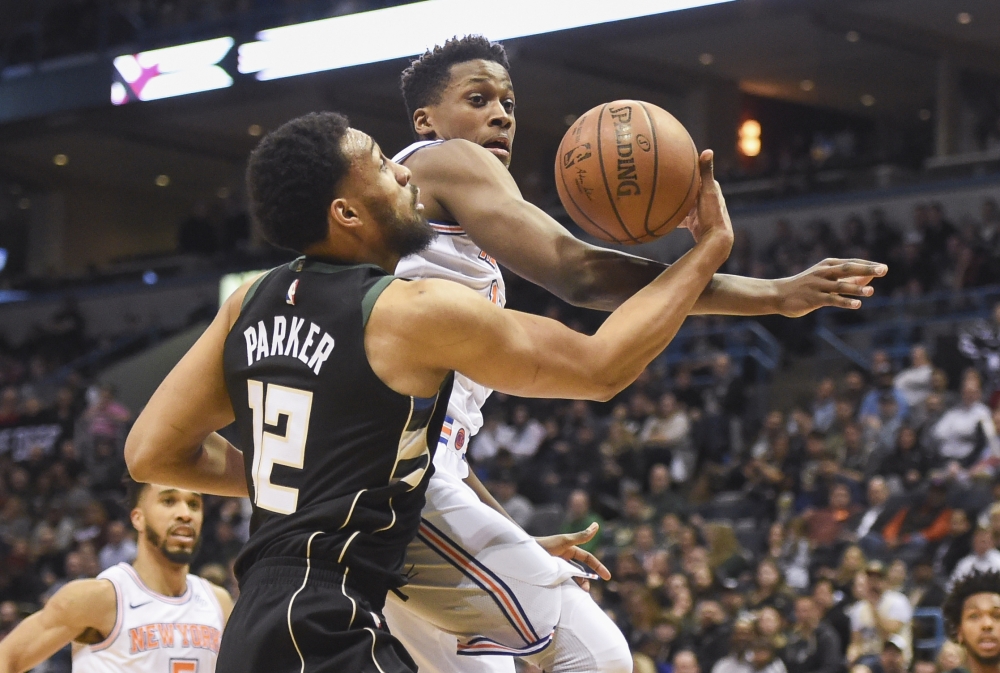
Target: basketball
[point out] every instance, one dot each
(627, 172)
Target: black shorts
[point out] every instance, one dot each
(283, 623)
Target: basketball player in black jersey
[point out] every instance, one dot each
(336, 375)
(972, 619)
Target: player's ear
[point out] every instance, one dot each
(138, 519)
(343, 213)
(423, 124)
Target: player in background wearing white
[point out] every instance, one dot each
(147, 617)
(480, 585)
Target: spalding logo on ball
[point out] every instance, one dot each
(627, 172)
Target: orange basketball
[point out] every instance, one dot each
(627, 172)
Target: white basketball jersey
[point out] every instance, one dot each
(453, 256)
(155, 633)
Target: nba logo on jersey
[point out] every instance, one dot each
(290, 295)
(460, 439)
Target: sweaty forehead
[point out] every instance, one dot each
(358, 144)
(479, 71)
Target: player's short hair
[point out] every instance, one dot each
(976, 582)
(292, 178)
(133, 490)
(426, 78)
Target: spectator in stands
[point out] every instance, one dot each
(832, 612)
(493, 436)
(872, 519)
(825, 406)
(956, 545)
(828, 526)
(984, 556)
(106, 417)
(791, 550)
(726, 558)
(663, 499)
(914, 382)
(740, 639)
(892, 658)
(770, 589)
(528, 433)
(981, 344)
(712, 635)
(579, 517)
(763, 656)
(814, 646)
(119, 548)
(10, 407)
(925, 589)
(504, 489)
(906, 464)
(893, 611)
(865, 641)
(686, 661)
(909, 533)
(666, 438)
(881, 370)
(966, 431)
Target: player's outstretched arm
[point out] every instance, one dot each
(173, 441)
(479, 193)
(418, 331)
(80, 609)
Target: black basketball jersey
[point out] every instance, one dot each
(336, 462)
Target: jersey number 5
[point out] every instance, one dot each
(270, 449)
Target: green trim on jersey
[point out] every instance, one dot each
(252, 290)
(368, 301)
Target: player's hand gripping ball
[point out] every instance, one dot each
(627, 172)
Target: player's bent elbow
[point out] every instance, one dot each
(139, 459)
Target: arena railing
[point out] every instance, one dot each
(896, 324)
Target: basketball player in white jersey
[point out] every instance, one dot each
(480, 585)
(147, 617)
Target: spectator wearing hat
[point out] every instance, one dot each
(892, 658)
(984, 556)
(893, 612)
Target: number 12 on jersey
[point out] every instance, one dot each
(270, 449)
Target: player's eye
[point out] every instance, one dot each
(477, 99)
(508, 105)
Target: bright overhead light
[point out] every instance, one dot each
(60, 160)
(172, 71)
(853, 36)
(964, 18)
(867, 100)
(405, 30)
(706, 59)
(162, 180)
(807, 85)
(254, 130)
(749, 138)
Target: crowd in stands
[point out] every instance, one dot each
(742, 539)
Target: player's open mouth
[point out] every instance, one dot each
(182, 533)
(499, 146)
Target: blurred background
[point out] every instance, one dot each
(850, 457)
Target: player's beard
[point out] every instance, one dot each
(179, 557)
(403, 234)
(981, 660)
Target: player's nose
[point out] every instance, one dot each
(402, 174)
(499, 116)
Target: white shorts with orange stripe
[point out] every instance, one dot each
(481, 586)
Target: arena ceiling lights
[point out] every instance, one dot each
(395, 32)
(356, 39)
(173, 71)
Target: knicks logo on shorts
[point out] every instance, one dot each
(460, 439)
